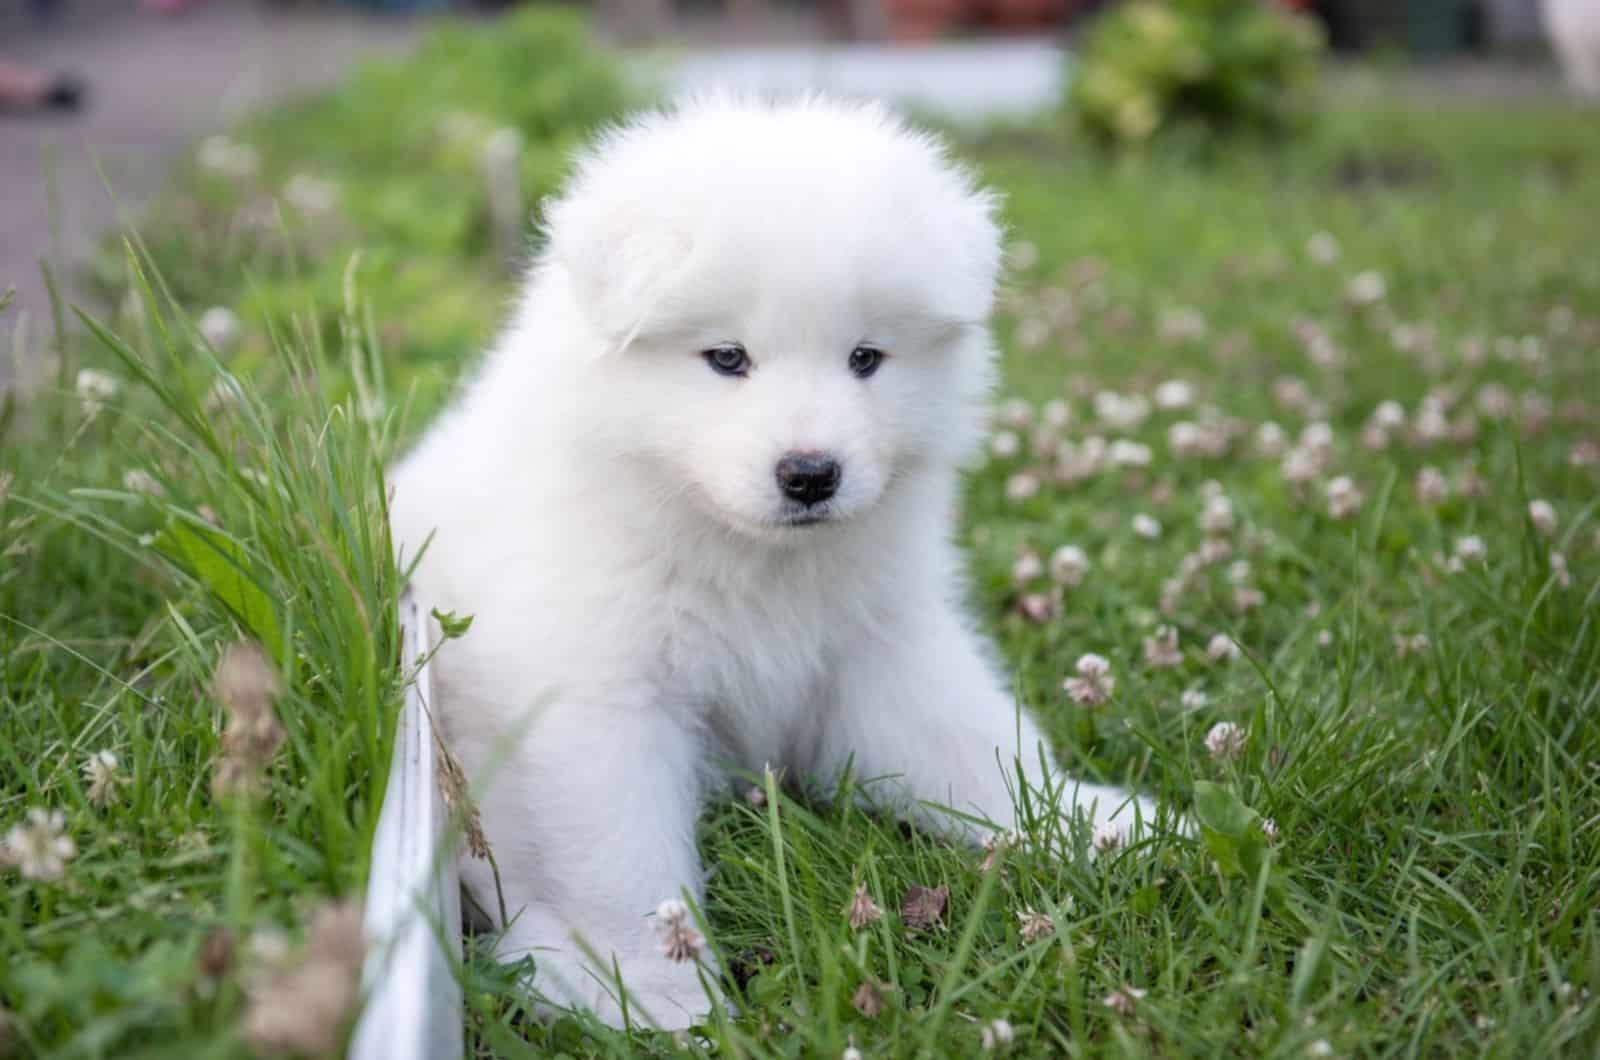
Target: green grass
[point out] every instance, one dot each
(1433, 885)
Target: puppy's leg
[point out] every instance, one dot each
(592, 820)
(923, 708)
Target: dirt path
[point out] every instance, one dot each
(157, 84)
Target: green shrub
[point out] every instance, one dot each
(1153, 66)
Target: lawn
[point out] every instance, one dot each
(1304, 439)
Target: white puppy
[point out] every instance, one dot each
(700, 500)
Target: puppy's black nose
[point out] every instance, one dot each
(809, 478)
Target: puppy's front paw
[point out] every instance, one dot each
(1119, 818)
(654, 990)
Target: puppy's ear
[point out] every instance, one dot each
(619, 256)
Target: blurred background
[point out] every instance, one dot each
(102, 94)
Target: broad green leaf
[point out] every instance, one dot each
(219, 564)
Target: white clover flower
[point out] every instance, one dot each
(1324, 352)
(1174, 394)
(1194, 698)
(1390, 415)
(1317, 436)
(862, 910)
(1247, 598)
(1217, 515)
(1271, 439)
(1432, 424)
(1344, 498)
(137, 480)
(1324, 638)
(40, 847)
(1543, 516)
(1039, 608)
(1319, 1048)
(1122, 1001)
(100, 773)
(1225, 741)
(1035, 925)
(850, 1053)
(1016, 412)
(227, 158)
(1269, 828)
(1124, 453)
(1094, 682)
(1186, 439)
(94, 389)
(1044, 440)
(1161, 651)
(1056, 413)
(1471, 549)
(1432, 487)
(1005, 444)
(1559, 571)
(1106, 839)
(1069, 565)
(1366, 288)
(1322, 248)
(1291, 392)
(219, 326)
(1415, 644)
(300, 1003)
(1214, 550)
(1300, 466)
(1222, 648)
(1495, 401)
(1121, 412)
(679, 939)
(1022, 486)
(1146, 526)
(997, 1034)
(1027, 567)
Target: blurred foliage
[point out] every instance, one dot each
(1202, 67)
(387, 183)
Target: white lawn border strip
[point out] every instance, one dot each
(414, 1008)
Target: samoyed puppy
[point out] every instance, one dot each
(699, 499)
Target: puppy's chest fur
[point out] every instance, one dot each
(755, 658)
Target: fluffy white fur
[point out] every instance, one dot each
(604, 503)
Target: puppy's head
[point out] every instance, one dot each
(788, 304)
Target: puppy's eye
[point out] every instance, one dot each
(864, 360)
(728, 359)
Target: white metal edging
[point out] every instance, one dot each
(413, 1008)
